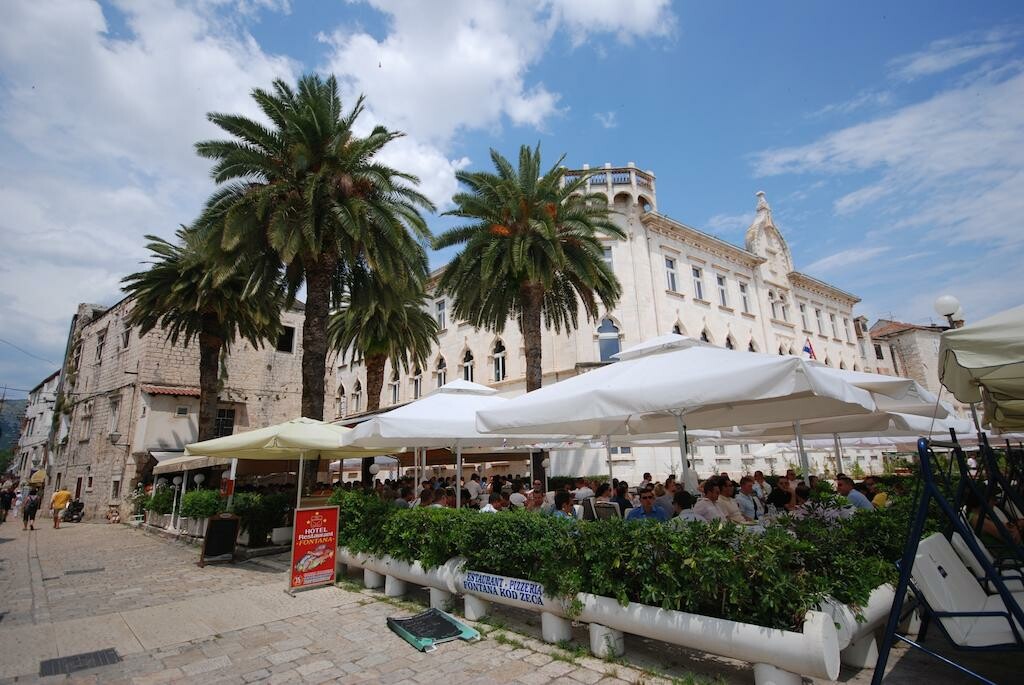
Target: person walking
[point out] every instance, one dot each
(28, 510)
(58, 502)
(6, 502)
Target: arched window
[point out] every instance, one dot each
(442, 372)
(393, 387)
(340, 398)
(782, 351)
(773, 303)
(842, 365)
(467, 366)
(704, 336)
(750, 347)
(357, 397)
(828, 362)
(499, 361)
(728, 343)
(417, 383)
(677, 330)
(784, 307)
(607, 339)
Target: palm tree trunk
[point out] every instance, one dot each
(314, 334)
(374, 380)
(529, 326)
(209, 375)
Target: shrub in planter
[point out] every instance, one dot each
(260, 513)
(201, 504)
(161, 501)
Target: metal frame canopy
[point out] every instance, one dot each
(984, 362)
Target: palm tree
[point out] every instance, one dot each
(306, 193)
(531, 250)
(185, 293)
(381, 323)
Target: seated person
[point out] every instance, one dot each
(682, 505)
(782, 497)
(517, 498)
(726, 503)
(564, 508)
(879, 499)
(748, 501)
(761, 487)
(495, 503)
(427, 498)
(646, 510)
(536, 500)
(621, 498)
(844, 486)
(989, 535)
(582, 491)
(705, 506)
(405, 498)
(604, 493)
(664, 500)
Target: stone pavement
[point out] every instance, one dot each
(90, 587)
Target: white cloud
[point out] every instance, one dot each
(949, 53)
(627, 19)
(728, 223)
(864, 99)
(845, 258)
(607, 119)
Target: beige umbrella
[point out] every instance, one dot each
(299, 438)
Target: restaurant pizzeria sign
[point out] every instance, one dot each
(314, 544)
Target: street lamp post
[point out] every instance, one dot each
(949, 307)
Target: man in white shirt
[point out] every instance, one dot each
(518, 498)
(582, 490)
(748, 501)
(706, 506)
(726, 503)
(473, 487)
(494, 504)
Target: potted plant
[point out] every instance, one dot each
(197, 506)
(159, 506)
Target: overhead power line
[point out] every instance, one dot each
(24, 351)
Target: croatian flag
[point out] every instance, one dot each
(809, 349)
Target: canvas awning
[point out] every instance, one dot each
(188, 463)
(37, 478)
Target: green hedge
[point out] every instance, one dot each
(260, 513)
(201, 504)
(711, 569)
(161, 501)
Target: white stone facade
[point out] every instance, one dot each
(32, 451)
(674, 279)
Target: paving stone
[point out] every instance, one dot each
(314, 667)
(585, 675)
(253, 676)
(206, 665)
(283, 657)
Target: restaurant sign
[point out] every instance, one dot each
(314, 545)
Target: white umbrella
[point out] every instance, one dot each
(892, 393)
(675, 382)
(985, 362)
(444, 418)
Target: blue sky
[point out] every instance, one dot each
(889, 137)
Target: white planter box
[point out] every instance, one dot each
(194, 527)
(281, 536)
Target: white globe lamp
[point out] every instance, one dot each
(199, 478)
(546, 463)
(374, 469)
(946, 305)
(177, 480)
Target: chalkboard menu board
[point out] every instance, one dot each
(221, 536)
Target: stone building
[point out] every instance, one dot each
(674, 278)
(32, 451)
(126, 401)
(911, 350)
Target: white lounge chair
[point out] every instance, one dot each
(956, 598)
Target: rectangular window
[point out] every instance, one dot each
(76, 357)
(744, 299)
(126, 337)
(442, 377)
(698, 284)
(723, 293)
(115, 489)
(356, 398)
(744, 448)
(181, 412)
(625, 450)
(846, 330)
(821, 321)
(417, 387)
(86, 421)
(467, 372)
(224, 423)
(878, 352)
(835, 328)
(499, 367)
(803, 316)
(88, 483)
(394, 393)
(101, 339)
(670, 274)
(286, 341)
(442, 321)
(607, 256)
(115, 415)
(719, 449)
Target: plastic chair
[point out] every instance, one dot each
(607, 510)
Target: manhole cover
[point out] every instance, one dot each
(84, 570)
(78, 662)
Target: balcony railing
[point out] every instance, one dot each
(621, 176)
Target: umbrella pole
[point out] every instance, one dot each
(839, 454)
(458, 475)
(608, 452)
(231, 495)
(298, 490)
(681, 430)
(804, 462)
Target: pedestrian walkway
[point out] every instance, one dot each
(92, 587)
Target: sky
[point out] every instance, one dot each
(889, 137)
